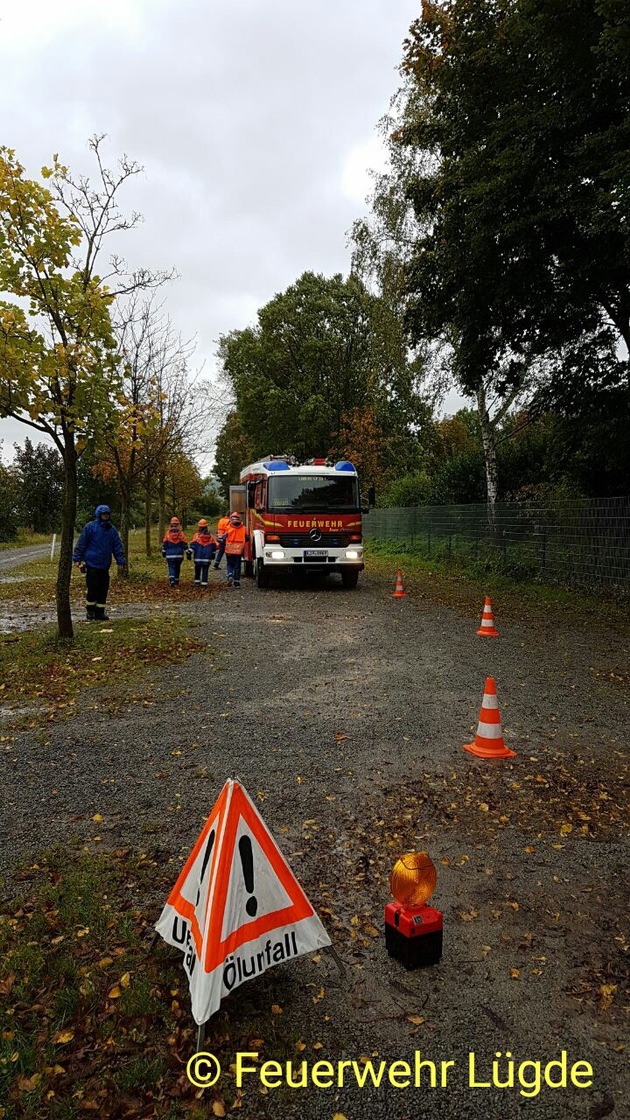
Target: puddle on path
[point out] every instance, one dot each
(12, 714)
(15, 620)
(21, 579)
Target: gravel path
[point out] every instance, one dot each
(348, 710)
(14, 618)
(11, 557)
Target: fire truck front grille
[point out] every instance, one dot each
(302, 540)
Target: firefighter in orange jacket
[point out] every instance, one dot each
(237, 535)
(222, 532)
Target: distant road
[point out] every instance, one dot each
(12, 557)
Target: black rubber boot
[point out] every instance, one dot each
(89, 614)
(100, 615)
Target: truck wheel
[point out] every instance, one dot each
(349, 580)
(262, 577)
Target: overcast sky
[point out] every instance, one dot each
(253, 119)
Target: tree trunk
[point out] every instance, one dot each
(148, 507)
(68, 518)
(624, 329)
(161, 505)
(489, 454)
(125, 513)
(619, 312)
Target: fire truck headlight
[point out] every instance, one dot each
(277, 554)
(352, 554)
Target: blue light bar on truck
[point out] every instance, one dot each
(277, 466)
(345, 465)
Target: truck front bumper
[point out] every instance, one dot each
(277, 558)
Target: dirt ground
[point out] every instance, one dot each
(344, 715)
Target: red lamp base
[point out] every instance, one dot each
(413, 934)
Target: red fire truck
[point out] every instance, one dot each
(302, 517)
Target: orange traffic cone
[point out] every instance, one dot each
(487, 630)
(400, 592)
(489, 738)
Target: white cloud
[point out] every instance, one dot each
(357, 179)
(255, 124)
(32, 24)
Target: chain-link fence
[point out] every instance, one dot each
(585, 543)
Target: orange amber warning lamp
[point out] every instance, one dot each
(413, 930)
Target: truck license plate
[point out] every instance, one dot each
(315, 553)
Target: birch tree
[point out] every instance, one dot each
(508, 142)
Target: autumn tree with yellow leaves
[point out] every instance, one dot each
(58, 368)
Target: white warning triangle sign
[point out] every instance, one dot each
(236, 908)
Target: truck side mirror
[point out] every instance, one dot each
(372, 495)
(251, 495)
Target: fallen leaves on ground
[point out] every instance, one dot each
(113, 1025)
(438, 808)
(607, 993)
(40, 668)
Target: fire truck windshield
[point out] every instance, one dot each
(313, 492)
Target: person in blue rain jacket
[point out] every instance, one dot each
(98, 542)
(174, 548)
(203, 547)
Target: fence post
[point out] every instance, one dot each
(52, 547)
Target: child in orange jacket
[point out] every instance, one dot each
(202, 547)
(174, 545)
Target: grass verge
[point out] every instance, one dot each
(33, 583)
(25, 538)
(446, 582)
(92, 1025)
(36, 665)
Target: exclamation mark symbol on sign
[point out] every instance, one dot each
(206, 857)
(247, 860)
